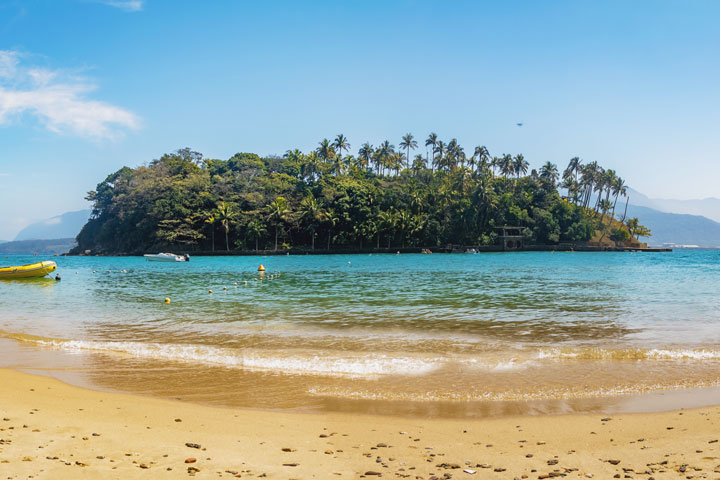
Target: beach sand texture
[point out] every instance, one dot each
(52, 430)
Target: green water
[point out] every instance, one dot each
(389, 327)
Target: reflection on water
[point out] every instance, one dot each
(436, 333)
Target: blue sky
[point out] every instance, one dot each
(87, 86)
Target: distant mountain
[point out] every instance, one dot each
(707, 207)
(67, 225)
(41, 247)
(676, 228)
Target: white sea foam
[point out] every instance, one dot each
(353, 365)
(594, 353)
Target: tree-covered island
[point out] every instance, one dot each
(382, 197)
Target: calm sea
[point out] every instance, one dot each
(410, 333)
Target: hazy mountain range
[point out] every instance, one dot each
(707, 207)
(67, 225)
(681, 229)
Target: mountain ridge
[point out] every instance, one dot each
(65, 225)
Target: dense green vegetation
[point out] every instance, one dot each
(382, 197)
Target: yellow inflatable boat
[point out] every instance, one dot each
(39, 269)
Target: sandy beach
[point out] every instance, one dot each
(52, 430)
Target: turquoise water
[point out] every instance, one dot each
(526, 325)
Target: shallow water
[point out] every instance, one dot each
(354, 332)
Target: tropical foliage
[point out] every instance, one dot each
(329, 198)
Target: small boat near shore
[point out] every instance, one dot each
(166, 257)
(33, 270)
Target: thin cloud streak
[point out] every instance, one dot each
(127, 5)
(59, 102)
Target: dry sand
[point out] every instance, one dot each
(52, 430)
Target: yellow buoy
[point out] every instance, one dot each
(209, 291)
(261, 268)
(167, 299)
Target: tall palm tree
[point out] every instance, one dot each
(574, 167)
(520, 165)
(278, 213)
(365, 154)
(432, 142)
(440, 149)
(480, 156)
(496, 162)
(398, 160)
(313, 212)
(385, 154)
(387, 221)
(332, 219)
(341, 143)
(256, 229)
(507, 167)
(211, 219)
(325, 150)
(618, 188)
(225, 214)
(408, 143)
(549, 172)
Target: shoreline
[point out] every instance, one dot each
(228, 388)
(53, 430)
(386, 251)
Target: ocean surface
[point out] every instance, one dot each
(457, 334)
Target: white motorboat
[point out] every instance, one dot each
(166, 257)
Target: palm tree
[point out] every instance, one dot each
(332, 219)
(398, 160)
(479, 157)
(385, 153)
(256, 229)
(278, 212)
(432, 142)
(618, 188)
(496, 162)
(549, 172)
(574, 167)
(341, 143)
(387, 221)
(520, 165)
(225, 214)
(408, 143)
(507, 166)
(440, 149)
(313, 212)
(211, 219)
(325, 150)
(365, 154)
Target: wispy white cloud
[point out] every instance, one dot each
(127, 5)
(59, 101)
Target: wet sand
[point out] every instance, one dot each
(49, 429)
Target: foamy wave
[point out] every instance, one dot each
(630, 354)
(346, 365)
(512, 364)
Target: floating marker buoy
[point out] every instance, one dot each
(245, 282)
(235, 284)
(261, 268)
(224, 288)
(209, 291)
(167, 299)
